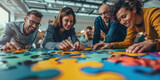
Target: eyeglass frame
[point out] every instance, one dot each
(34, 22)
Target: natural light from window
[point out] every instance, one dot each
(4, 16)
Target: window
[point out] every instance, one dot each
(4, 17)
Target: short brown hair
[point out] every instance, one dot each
(35, 13)
(89, 27)
(64, 12)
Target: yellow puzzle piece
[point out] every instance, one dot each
(16, 51)
(65, 52)
(129, 54)
(71, 70)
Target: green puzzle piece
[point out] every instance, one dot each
(18, 58)
(116, 50)
(101, 56)
(91, 59)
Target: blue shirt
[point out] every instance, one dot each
(13, 31)
(53, 38)
(115, 32)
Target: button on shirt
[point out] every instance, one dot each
(13, 31)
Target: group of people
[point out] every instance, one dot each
(120, 23)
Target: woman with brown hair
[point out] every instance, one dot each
(131, 14)
(57, 35)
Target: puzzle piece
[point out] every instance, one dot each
(154, 53)
(14, 60)
(16, 51)
(130, 73)
(87, 49)
(129, 54)
(115, 50)
(130, 61)
(24, 72)
(69, 57)
(101, 56)
(91, 59)
(151, 57)
(65, 52)
(71, 70)
(95, 57)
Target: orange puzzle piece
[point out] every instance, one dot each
(129, 54)
(16, 51)
(71, 70)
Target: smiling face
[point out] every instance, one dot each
(31, 24)
(126, 17)
(67, 22)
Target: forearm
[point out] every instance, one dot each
(124, 44)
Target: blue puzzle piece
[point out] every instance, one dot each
(24, 72)
(129, 72)
(152, 57)
(91, 59)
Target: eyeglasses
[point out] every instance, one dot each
(33, 22)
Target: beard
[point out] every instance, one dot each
(106, 21)
(29, 31)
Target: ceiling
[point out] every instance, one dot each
(81, 7)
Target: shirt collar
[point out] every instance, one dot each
(21, 28)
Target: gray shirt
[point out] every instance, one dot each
(53, 38)
(13, 31)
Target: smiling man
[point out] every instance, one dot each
(21, 34)
(114, 32)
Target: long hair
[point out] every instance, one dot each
(128, 4)
(64, 12)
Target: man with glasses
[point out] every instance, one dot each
(21, 34)
(114, 32)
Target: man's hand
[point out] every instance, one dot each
(11, 46)
(102, 46)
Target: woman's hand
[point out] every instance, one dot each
(140, 47)
(65, 45)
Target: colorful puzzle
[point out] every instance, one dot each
(71, 70)
(108, 64)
